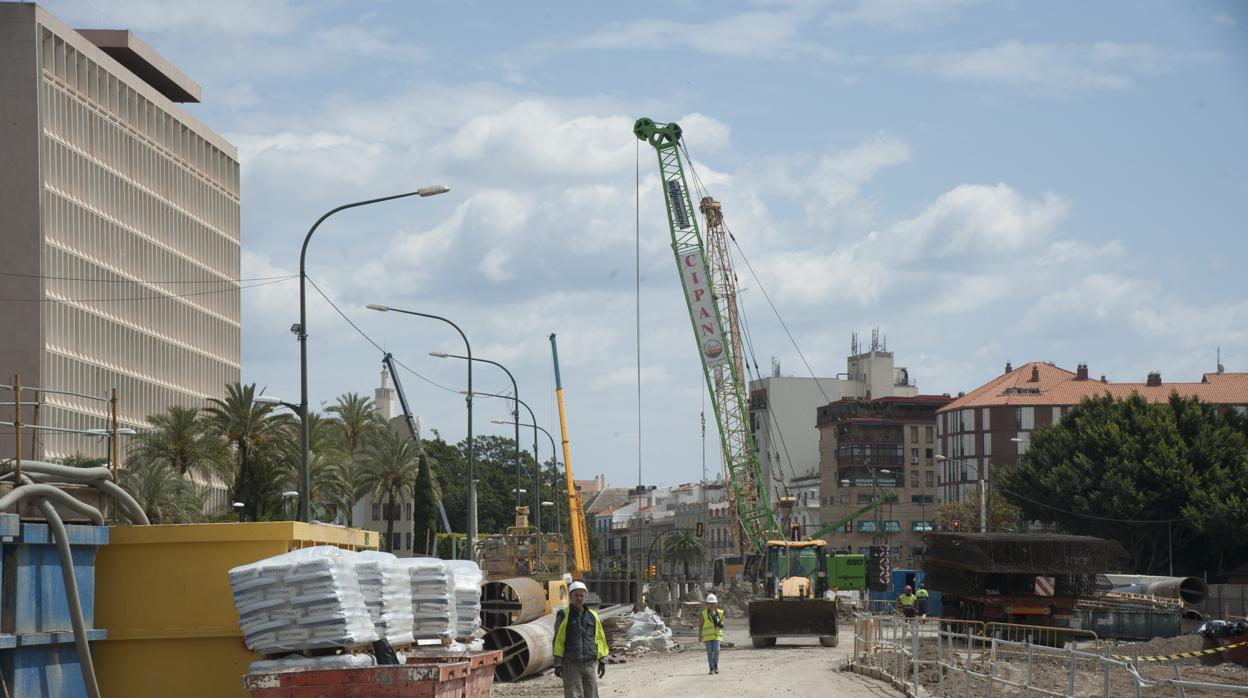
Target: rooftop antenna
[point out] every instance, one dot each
(875, 339)
(853, 345)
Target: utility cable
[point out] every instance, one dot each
(147, 281)
(156, 297)
(1087, 516)
(637, 286)
(377, 346)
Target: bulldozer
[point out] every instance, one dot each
(794, 599)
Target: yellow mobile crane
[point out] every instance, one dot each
(576, 509)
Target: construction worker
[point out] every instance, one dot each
(906, 601)
(920, 597)
(712, 632)
(580, 642)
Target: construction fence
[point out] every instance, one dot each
(972, 659)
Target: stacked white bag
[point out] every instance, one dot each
(387, 590)
(433, 608)
(304, 599)
(468, 578)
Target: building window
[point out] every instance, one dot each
(376, 511)
(927, 434)
(931, 477)
(844, 499)
(407, 513)
(914, 433)
(914, 478)
(1025, 418)
(914, 456)
(928, 454)
(984, 421)
(1057, 414)
(397, 540)
(409, 540)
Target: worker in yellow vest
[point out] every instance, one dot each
(712, 633)
(921, 598)
(906, 601)
(580, 642)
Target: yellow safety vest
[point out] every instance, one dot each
(905, 600)
(709, 631)
(600, 635)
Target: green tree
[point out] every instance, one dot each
(424, 511)
(684, 549)
(389, 474)
(1002, 514)
(255, 437)
(165, 494)
(1155, 477)
(356, 423)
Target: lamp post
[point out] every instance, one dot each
(537, 476)
(983, 493)
(301, 331)
(472, 484)
(554, 459)
(515, 391)
(286, 497)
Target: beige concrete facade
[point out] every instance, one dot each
(119, 224)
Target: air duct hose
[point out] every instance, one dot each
(42, 492)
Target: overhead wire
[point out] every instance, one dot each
(370, 340)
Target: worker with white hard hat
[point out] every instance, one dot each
(580, 642)
(712, 633)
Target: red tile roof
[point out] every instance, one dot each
(1057, 386)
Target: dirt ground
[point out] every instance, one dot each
(795, 667)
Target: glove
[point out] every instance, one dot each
(602, 668)
(559, 671)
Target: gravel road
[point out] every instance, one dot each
(795, 667)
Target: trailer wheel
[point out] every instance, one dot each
(829, 640)
(763, 642)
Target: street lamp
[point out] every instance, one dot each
(286, 497)
(514, 391)
(238, 507)
(301, 331)
(983, 492)
(554, 454)
(472, 483)
(271, 400)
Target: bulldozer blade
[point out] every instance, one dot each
(808, 617)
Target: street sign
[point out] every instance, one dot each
(1044, 586)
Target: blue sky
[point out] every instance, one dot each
(985, 182)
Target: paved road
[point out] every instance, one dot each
(793, 668)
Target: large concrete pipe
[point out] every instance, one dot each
(1192, 590)
(511, 601)
(527, 648)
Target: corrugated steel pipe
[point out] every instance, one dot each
(527, 648)
(1192, 590)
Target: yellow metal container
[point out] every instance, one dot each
(163, 593)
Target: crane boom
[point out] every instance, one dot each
(710, 292)
(879, 502)
(388, 361)
(576, 509)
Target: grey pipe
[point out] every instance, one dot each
(528, 648)
(46, 492)
(99, 477)
(129, 506)
(71, 593)
(1192, 590)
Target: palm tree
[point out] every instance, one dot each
(684, 549)
(389, 473)
(165, 495)
(357, 423)
(180, 437)
(256, 436)
(331, 470)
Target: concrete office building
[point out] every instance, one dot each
(119, 230)
(783, 410)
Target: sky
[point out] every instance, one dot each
(984, 182)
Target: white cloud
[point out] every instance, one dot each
(975, 220)
(746, 35)
(1054, 68)
(897, 14)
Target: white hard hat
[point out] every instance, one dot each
(710, 598)
(578, 585)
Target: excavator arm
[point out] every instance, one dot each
(883, 499)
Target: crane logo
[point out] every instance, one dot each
(713, 348)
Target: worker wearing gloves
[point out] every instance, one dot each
(712, 633)
(906, 601)
(580, 642)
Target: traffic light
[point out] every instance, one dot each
(956, 524)
(698, 529)
(652, 571)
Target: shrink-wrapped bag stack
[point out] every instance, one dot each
(433, 593)
(387, 590)
(468, 578)
(304, 599)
